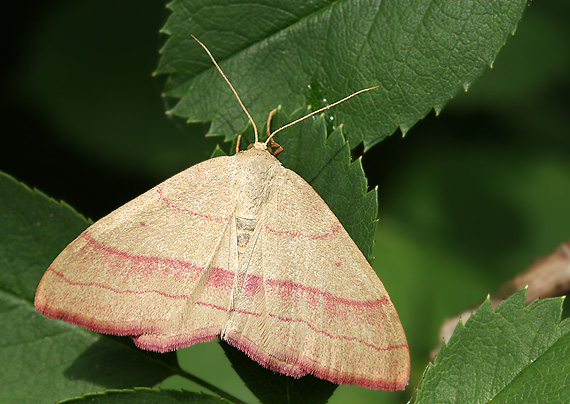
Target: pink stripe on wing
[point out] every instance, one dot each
(220, 276)
(289, 286)
(342, 337)
(334, 230)
(141, 259)
(212, 306)
(188, 211)
(115, 290)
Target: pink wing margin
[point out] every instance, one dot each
(312, 304)
(142, 270)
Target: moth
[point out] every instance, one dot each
(240, 248)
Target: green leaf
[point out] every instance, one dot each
(218, 152)
(59, 359)
(546, 381)
(295, 53)
(146, 396)
(516, 353)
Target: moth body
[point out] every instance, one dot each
(240, 248)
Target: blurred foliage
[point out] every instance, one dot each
(467, 199)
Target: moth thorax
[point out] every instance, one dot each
(256, 171)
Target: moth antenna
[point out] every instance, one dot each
(229, 84)
(277, 146)
(269, 121)
(319, 111)
(237, 143)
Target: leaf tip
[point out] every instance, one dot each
(404, 129)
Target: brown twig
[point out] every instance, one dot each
(547, 277)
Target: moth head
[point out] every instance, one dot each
(263, 146)
(258, 146)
